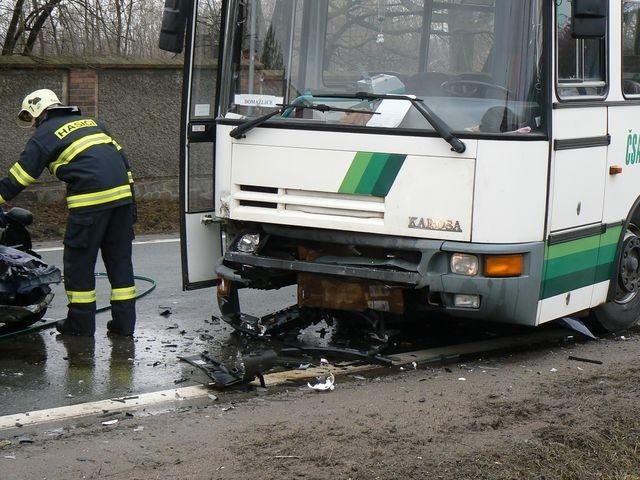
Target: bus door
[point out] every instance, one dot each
(578, 167)
(623, 179)
(201, 240)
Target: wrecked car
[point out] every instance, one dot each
(25, 280)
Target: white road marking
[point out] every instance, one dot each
(142, 242)
(144, 400)
(93, 408)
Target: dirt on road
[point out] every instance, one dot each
(521, 415)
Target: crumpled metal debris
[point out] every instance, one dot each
(325, 384)
(246, 369)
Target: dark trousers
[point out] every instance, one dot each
(110, 231)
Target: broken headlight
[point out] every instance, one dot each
(248, 243)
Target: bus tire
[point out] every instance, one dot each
(623, 311)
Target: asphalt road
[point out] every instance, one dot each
(44, 371)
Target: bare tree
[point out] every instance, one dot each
(82, 28)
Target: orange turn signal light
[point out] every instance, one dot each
(503, 265)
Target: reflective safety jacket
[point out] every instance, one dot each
(80, 152)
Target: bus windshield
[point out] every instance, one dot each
(477, 64)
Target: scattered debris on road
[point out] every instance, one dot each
(578, 326)
(585, 360)
(324, 384)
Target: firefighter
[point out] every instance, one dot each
(82, 153)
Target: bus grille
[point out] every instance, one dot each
(309, 202)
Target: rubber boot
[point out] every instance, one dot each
(78, 322)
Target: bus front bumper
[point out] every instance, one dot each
(512, 300)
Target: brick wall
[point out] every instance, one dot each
(83, 90)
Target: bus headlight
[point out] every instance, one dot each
(464, 264)
(248, 243)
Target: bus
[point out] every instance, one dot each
(478, 158)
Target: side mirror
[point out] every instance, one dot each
(174, 24)
(589, 19)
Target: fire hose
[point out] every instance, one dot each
(45, 325)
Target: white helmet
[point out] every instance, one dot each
(34, 104)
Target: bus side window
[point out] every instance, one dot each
(581, 63)
(631, 47)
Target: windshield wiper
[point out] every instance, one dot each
(439, 125)
(243, 128)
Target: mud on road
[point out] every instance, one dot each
(532, 414)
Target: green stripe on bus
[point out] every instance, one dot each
(575, 246)
(559, 266)
(372, 173)
(604, 272)
(566, 283)
(579, 263)
(388, 175)
(612, 236)
(356, 170)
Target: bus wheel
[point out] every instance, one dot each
(623, 311)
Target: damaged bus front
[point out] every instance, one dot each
(385, 156)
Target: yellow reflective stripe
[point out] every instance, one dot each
(116, 144)
(98, 198)
(76, 148)
(2, 200)
(21, 176)
(121, 294)
(88, 296)
(130, 175)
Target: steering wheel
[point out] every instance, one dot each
(472, 88)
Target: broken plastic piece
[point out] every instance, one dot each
(578, 326)
(324, 384)
(247, 369)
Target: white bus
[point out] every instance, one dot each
(474, 157)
